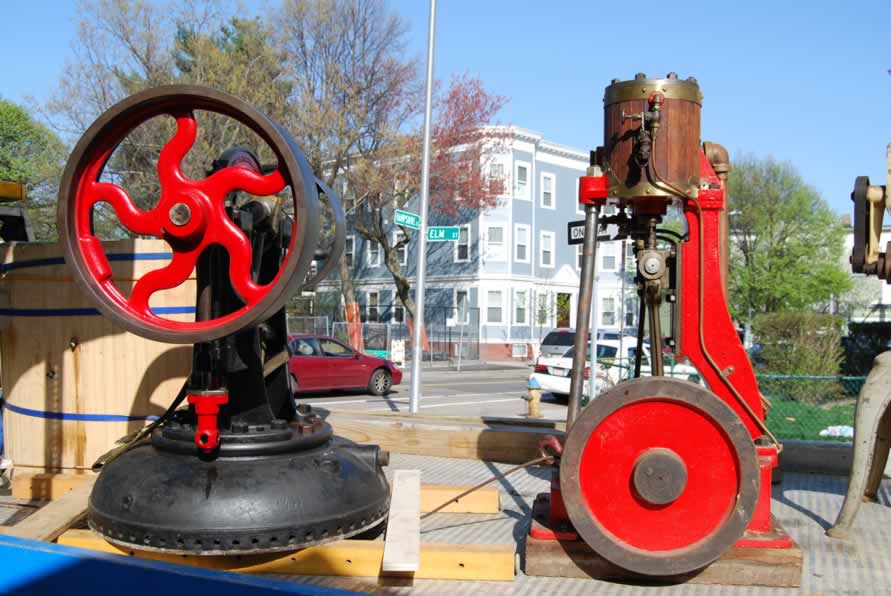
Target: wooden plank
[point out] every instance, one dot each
(12, 191)
(45, 486)
(402, 544)
(540, 423)
(483, 500)
(772, 567)
(355, 558)
(500, 443)
(51, 521)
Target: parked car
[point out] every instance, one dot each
(557, 342)
(615, 364)
(321, 363)
(561, 339)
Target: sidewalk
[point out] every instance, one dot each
(471, 365)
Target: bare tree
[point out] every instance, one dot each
(333, 72)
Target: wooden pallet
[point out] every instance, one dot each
(345, 557)
(771, 567)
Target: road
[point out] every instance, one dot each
(451, 393)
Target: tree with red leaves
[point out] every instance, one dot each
(388, 175)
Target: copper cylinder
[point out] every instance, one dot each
(675, 151)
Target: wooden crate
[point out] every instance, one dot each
(73, 381)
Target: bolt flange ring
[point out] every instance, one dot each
(190, 214)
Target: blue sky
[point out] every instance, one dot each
(799, 81)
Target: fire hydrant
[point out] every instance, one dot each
(533, 399)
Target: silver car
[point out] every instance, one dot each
(561, 339)
(557, 342)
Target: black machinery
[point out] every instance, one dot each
(243, 468)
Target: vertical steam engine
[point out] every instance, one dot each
(658, 475)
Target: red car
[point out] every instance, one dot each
(320, 363)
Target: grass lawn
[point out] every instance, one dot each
(790, 419)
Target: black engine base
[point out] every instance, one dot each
(158, 499)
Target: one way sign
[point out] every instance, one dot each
(576, 231)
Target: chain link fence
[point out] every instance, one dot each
(315, 325)
(819, 408)
(450, 338)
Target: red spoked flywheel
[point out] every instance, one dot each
(659, 476)
(190, 214)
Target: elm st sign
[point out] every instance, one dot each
(443, 234)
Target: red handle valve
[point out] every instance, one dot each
(593, 190)
(207, 409)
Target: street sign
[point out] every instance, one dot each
(407, 219)
(576, 231)
(443, 233)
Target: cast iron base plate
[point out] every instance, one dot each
(157, 500)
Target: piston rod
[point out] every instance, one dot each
(583, 316)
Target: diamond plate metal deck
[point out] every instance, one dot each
(805, 504)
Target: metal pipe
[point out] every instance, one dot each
(719, 159)
(583, 314)
(641, 319)
(595, 322)
(657, 369)
(418, 331)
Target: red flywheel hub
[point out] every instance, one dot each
(190, 215)
(659, 476)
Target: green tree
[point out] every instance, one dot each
(786, 244)
(31, 154)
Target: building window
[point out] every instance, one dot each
(608, 260)
(608, 311)
(522, 181)
(402, 251)
(521, 243)
(496, 178)
(543, 309)
(372, 307)
(398, 314)
(547, 191)
(462, 247)
(630, 312)
(348, 248)
(521, 307)
(546, 256)
(495, 243)
(374, 253)
(493, 306)
(462, 310)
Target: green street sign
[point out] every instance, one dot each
(443, 234)
(407, 219)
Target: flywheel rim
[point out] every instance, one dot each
(677, 559)
(110, 129)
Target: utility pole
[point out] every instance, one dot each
(418, 331)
